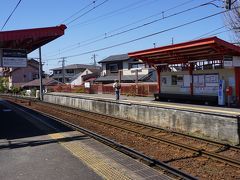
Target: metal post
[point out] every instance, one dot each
(40, 74)
(136, 81)
(63, 70)
(120, 74)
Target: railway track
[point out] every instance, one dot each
(204, 147)
(171, 172)
(198, 146)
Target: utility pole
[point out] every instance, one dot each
(63, 69)
(94, 59)
(40, 74)
(228, 4)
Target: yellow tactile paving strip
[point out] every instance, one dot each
(102, 165)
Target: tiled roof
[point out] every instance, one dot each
(46, 82)
(120, 57)
(78, 66)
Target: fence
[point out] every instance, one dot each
(131, 89)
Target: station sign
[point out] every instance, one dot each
(14, 58)
(228, 61)
(231, 61)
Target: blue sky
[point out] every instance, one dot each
(101, 21)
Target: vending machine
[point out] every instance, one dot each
(221, 94)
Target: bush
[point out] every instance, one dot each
(15, 90)
(3, 85)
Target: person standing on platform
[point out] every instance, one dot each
(117, 87)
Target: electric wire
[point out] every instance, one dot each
(210, 32)
(87, 12)
(122, 27)
(85, 7)
(127, 8)
(11, 14)
(146, 36)
(137, 27)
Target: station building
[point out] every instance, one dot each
(206, 70)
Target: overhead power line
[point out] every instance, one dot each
(11, 15)
(139, 26)
(121, 10)
(85, 7)
(210, 32)
(87, 12)
(147, 36)
(122, 27)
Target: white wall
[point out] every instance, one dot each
(78, 80)
(127, 71)
(104, 71)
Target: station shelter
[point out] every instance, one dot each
(16, 44)
(30, 39)
(206, 70)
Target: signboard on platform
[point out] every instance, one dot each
(221, 94)
(14, 58)
(87, 84)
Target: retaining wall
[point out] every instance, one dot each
(212, 126)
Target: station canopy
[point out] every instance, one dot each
(211, 48)
(30, 39)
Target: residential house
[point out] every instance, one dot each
(21, 75)
(126, 69)
(35, 84)
(71, 72)
(88, 74)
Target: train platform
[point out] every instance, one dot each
(33, 146)
(150, 101)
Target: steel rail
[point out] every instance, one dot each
(190, 148)
(199, 151)
(124, 149)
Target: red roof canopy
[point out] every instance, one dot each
(208, 48)
(30, 39)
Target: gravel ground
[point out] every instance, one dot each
(194, 164)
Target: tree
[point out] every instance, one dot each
(3, 84)
(232, 18)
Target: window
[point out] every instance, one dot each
(113, 68)
(70, 71)
(136, 65)
(174, 80)
(34, 76)
(57, 72)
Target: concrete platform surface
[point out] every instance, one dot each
(151, 102)
(34, 147)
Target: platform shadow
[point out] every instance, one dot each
(14, 144)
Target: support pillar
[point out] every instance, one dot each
(237, 84)
(40, 74)
(191, 74)
(159, 79)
